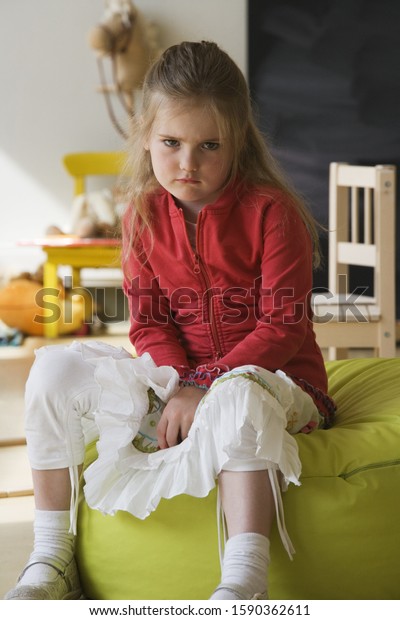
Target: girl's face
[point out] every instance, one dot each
(187, 156)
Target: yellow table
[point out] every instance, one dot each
(78, 254)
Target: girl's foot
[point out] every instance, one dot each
(244, 568)
(60, 584)
(232, 592)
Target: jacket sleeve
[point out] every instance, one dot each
(284, 290)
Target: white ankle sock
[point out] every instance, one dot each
(245, 565)
(51, 540)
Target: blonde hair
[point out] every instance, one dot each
(200, 73)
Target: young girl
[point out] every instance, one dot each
(217, 258)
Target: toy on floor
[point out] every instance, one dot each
(26, 306)
(9, 336)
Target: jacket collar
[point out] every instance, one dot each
(226, 200)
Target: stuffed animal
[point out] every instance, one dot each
(94, 214)
(130, 41)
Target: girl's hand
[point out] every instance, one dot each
(177, 417)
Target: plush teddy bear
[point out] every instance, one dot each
(125, 36)
(94, 214)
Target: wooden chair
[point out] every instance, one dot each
(361, 232)
(81, 253)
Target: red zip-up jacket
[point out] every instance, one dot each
(241, 297)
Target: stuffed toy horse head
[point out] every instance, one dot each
(129, 41)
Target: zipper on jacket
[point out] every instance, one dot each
(200, 269)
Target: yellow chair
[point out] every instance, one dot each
(361, 232)
(81, 253)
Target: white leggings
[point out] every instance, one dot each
(61, 396)
(64, 400)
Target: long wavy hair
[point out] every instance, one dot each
(200, 73)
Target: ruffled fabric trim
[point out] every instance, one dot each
(123, 478)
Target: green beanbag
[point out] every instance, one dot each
(343, 520)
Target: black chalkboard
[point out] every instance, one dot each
(325, 80)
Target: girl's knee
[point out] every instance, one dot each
(56, 370)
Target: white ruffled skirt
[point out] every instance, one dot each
(245, 421)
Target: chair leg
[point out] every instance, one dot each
(84, 293)
(76, 277)
(387, 346)
(50, 283)
(336, 353)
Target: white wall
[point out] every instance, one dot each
(49, 105)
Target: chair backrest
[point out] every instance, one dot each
(86, 164)
(362, 227)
